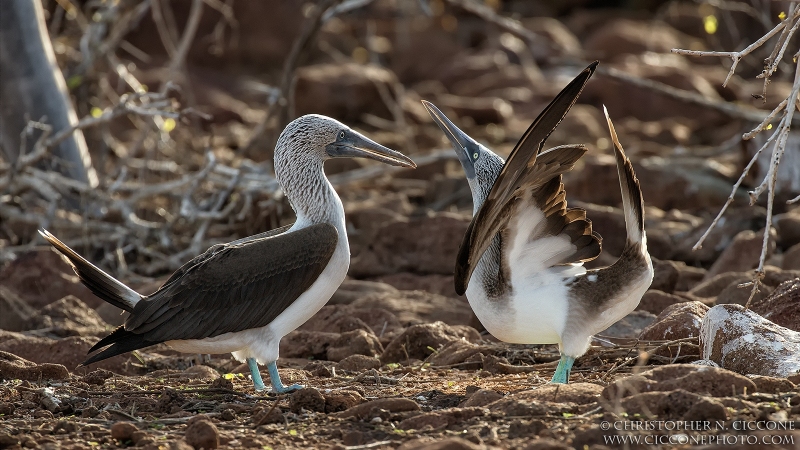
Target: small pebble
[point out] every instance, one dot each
(122, 431)
(376, 420)
(228, 414)
(202, 434)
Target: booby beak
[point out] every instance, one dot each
(466, 148)
(350, 144)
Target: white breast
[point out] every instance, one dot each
(536, 311)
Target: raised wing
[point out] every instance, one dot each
(520, 173)
(239, 287)
(542, 232)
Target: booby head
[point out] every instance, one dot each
(302, 148)
(481, 165)
(317, 137)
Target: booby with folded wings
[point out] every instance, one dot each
(244, 296)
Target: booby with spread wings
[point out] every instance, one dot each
(521, 259)
(244, 296)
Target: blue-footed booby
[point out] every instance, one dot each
(244, 296)
(521, 259)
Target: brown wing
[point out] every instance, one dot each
(520, 173)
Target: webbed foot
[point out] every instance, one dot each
(277, 385)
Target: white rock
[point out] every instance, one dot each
(744, 342)
(705, 362)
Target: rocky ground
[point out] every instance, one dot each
(396, 359)
(388, 368)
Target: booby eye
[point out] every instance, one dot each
(475, 155)
(341, 135)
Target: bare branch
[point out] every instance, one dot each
(179, 58)
(737, 56)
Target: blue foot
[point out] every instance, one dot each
(275, 379)
(258, 383)
(562, 371)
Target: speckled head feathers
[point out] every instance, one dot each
(308, 135)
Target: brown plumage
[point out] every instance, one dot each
(524, 178)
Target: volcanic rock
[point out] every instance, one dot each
(433, 283)
(342, 400)
(307, 344)
(307, 398)
(678, 321)
(344, 318)
(200, 372)
(13, 367)
(783, 306)
(670, 184)
(654, 301)
(623, 36)
(97, 377)
(482, 397)
(688, 277)
(737, 294)
(482, 110)
(745, 342)
(788, 226)
(419, 342)
(457, 352)
(202, 434)
(703, 380)
(69, 351)
(666, 275)
(357, 342)
(16, 312)
(772, 385)
(123, 431)
(358, 363)
(631, 325)
(441, 419)
(41, 277)
(368, 409)
(712, 287)
(677, 404)
(267, 415)
(69, 316)
(452, 443)
(791, 258)
(742, 254)
(560, 41)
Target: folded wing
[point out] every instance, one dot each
(234, 288)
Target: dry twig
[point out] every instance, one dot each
(787, 28)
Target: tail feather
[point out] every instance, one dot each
(632, 203)
(118, 342)
(100, 283)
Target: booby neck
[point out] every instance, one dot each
(486, 171)
(299, 158)
(309, 191)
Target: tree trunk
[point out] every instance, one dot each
(32, 87)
